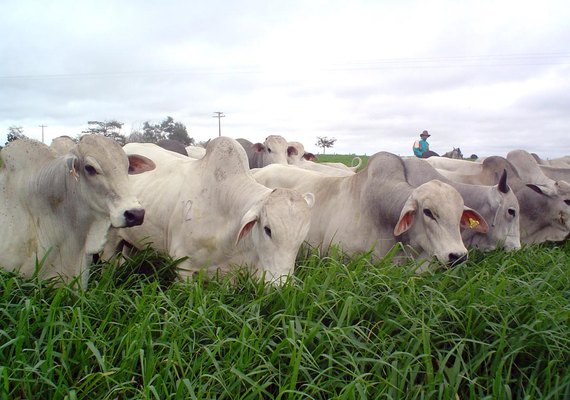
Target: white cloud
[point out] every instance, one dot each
(483, 75)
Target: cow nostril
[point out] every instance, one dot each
(455, 258)
(134, 217)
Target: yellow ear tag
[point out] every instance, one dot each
(473, 223)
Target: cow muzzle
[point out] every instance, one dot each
(134, 217)
(456, 258)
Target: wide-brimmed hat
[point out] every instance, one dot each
(425, 133)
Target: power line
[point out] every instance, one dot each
(478, 61)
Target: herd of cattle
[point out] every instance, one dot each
(236, 203)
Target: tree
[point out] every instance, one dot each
(152, 133)
(14, 133)
(176, 131)
(167, 129)
(111, 129)
(135, 137)
(325, 142)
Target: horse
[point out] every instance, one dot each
(455, 153)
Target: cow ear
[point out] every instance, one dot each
(72, 163)
(471, 219)
(309, 157)
(404, 223)
(247, 223)
(292, 151)
(139, 164)
(502, 185)
(258, 147)
(541, 189)
(310, 199)
(406, 217)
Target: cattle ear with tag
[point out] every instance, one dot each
(72, 163)
(406, 217)
(471, 219)
(139, 164)
(247, 223)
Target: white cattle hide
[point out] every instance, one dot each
(544, 203)
(196, 152)
(214, 213)
(273, 150)
(376, 208)
(61, 145)
(56, 210)
(497, 204)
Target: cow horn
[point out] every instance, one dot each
(503, 187)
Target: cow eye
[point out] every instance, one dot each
(512, 212)
(567, 202)
(269, 150)
(267, 231)
(428, 213)
(90, 170)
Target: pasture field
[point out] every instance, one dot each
(496, 327)
(342, 158)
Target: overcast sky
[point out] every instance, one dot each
(485, 76)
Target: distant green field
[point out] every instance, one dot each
(342, 158)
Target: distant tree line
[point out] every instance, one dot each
(151, 133)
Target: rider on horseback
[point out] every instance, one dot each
(421, 147)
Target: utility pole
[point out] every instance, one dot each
(219, 117)
(42, 126)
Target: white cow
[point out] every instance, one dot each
(196, 152)
(213, 212)
(56, 210)
(356, 163)
(455, 165)
(376, 207)
(556, 173)
(497, 204)
(544, 203)
(560, 162)
(62, 145)
(297, 156)
(529, 170)
(273, 150)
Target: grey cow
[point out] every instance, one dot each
(377, 207)
(544, 203)
(497, 204)
(274, 150)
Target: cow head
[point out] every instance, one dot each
(546, 211)
(431, 218)
(276, 227)
(274, 150)
(101, 168)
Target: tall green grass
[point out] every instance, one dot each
(496, 327)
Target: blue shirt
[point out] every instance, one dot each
(423, 146)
